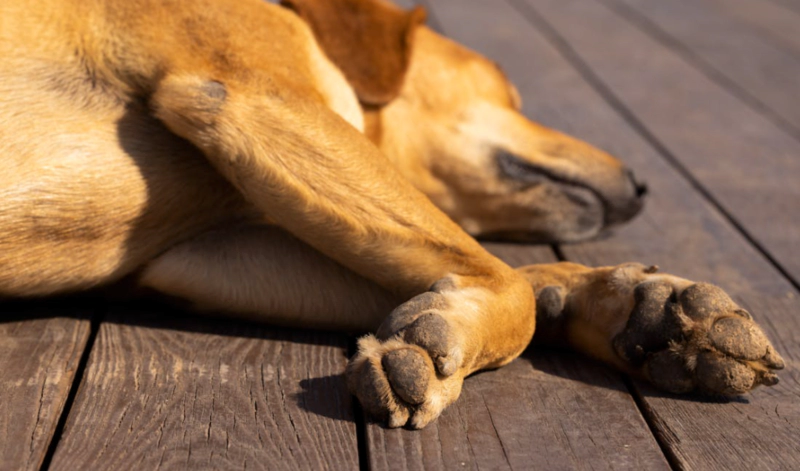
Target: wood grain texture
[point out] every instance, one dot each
(546, 410)
(727, 50)
(162, 393)
(38, 360)
(778, 24)
(791, 4)
(678, 229)
(739, 157)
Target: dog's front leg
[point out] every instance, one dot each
(680, 335)
(313, 174)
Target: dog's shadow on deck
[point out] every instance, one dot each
(539, 370)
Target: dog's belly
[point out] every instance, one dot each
(89, 193)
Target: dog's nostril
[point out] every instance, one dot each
(639, 187)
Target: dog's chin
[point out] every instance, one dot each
(540, 237)
(581, 216)
(547, 213)
(573, 213)
(568, 229)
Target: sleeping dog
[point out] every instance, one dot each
(326, 164)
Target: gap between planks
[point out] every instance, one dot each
(39, 358)
(162, 389)
(717, 253)
(653, 28)
(526, 9)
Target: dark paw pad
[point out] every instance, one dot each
(667, 370)
(550, 318)
(703, 301)
(718, 374)
(431, 332)
(408, 373)
(700, 340)
(739, 338)
(409, 311)
(418, 322)
(654, 322)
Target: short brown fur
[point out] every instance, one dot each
(314, 167)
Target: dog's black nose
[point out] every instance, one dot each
(639, 187)
(628, 201)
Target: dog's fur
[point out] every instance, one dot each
(317, 164)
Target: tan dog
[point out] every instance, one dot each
(298, 166)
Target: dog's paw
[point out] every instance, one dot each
(409, 372)
(397, 382)
(695, 338)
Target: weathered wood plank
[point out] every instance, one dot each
(778, 23)
(742, 159)
(678, 229)
(162, 393)
(791, 4)
(38, 360)
(546, 410)
(727, 50)
(759, 431)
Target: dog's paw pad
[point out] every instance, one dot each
(431, 332)
(698, 340)
(407, 371)
(719, 374)
(667, 371)
(739, 338)
(396, 382)
(419, 322)
(654, 322)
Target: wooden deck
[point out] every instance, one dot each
(701, 97)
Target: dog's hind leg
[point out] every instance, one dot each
(91, 187)
(263, 273)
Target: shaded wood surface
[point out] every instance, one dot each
(191, 393)
(734, 55)
(790, 4)
(678, 230)
(777, 23)
(546, 410)
(739, 157)
(38, 360)
(696, 95)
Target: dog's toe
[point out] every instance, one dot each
(419, 322)
(396, 382)
(700, 341)
(407, 371)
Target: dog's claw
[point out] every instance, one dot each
(697, 341)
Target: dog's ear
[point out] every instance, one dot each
(368, 40)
